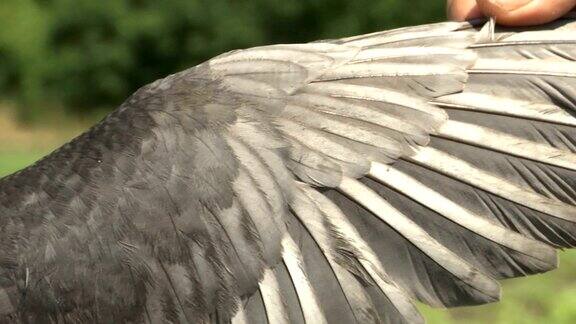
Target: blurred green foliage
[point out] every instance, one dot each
(11, 162)
(86, 55)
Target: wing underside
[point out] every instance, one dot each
(433, 161)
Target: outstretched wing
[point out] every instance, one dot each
(333, 182)
(432, 161)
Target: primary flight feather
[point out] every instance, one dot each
(332, 182)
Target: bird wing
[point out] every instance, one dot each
(156, 214)
(431, 162)
(336, 181)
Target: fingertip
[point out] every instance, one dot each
(461, 10)
(525, 12)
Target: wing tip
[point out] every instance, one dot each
(553, 259)
(488, 286)
(546, 254)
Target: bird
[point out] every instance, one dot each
(337, 181)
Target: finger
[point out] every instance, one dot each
(461, 10)
(525, 12)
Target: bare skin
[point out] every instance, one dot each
(511, 12)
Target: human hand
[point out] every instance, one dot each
(510, 12)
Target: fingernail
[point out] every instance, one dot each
(510, 5)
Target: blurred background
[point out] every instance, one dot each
(65, 63)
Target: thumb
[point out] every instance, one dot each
(525, 12)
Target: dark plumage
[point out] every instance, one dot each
(334, 181)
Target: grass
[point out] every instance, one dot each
(22, 145)
(13, 161)
(549, 298)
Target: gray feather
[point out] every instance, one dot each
(324, 182)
